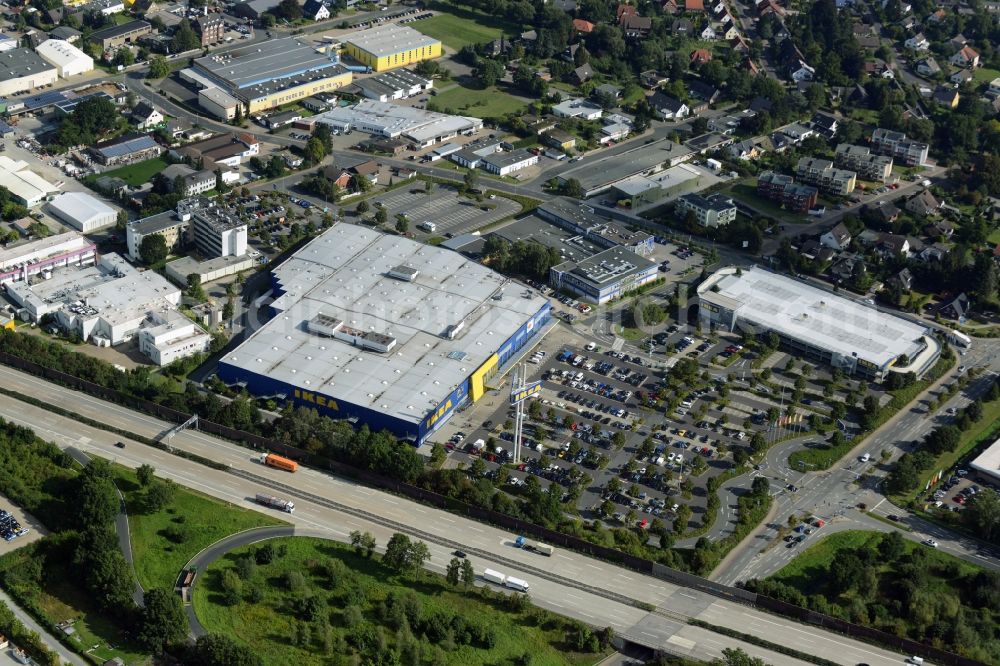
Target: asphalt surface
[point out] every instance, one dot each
(590, 590)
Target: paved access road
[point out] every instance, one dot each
(50, 641)
(833, 494)
(569, 583)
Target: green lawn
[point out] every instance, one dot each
(459, 26)
(747, 193)
(984, 75)
(351, 590)
(197, 519)
(134, 174)
(488, 103)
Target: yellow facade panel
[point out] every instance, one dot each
(291, 95)
(477, 383)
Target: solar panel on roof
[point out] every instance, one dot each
(129, 146)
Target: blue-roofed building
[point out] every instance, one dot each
(67, 105)
(126, 150)
(6, 131)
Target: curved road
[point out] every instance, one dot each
(210, 554)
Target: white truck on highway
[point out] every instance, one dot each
(505, 580)
(275, 502)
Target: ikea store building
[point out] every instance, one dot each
(385, 331)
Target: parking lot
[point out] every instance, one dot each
(17, 528)
(450, 213)
(598, 429)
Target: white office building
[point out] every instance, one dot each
(171, 337)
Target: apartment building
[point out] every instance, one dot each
(715, 210)
(860, 159)
(823, 175)
(897, 146)
(783, 189)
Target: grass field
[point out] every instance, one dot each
(350, 602)
(202, 521)
(459, 26)
(488, 103)
(984, 74)
(747, 193)
(134, 174)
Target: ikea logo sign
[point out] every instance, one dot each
(441, 411)
(320, 400)
(525, 393)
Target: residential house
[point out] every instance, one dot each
(802, 72)
(759, 103)
(557, 138)
(667, 107)
(957, 308)
(636, 27)
(703, 91)
(937, 16)
(917, 43)
(670, 7)
(962, 76)
(902, 280)
(934, 252)
(928, 66)
(883, 212)
(707, 34)
(340, 177)
(700, 57)
(682, 26)
(582, 74)
(744, 150)
(583, 27)
(317, 10)
(923, 204)
(838, 238)
(939, 229)
(947, 97)
(732, 34)
(606, 89)
(211, 29)
(878, 67)
(825, 124)
(893, 245)
(965, 57)
(652, 79)
(958, 41)
(145, 116)
(694, 5)
(368, 170)
(798, 133)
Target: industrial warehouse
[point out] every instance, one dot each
(385, 331)
(265, 75)
(390, 46)
(817, 324)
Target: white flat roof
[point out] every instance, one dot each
(814, 316)
(389, 39)
(79, 206)
(42, 248)
(393, 120)
(29, 186)
(343, 274)
(988, 462)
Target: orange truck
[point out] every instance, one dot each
(277, 461)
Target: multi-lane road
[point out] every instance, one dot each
(590, 590)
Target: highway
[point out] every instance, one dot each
(606, 598)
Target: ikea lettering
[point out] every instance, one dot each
(315, 399)
(436, 416)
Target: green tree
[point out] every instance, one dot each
(159, 495)
(95, 500)
(454, 574)
(470, 179)
(163, 622)
(232, 587)
(158, 67)
(221, 650)
(185, 38)
(682, 519)
(145, 474)
(153, 249)
(468, 574)
(194, 288)
(405, 555)
(737, 657)
(314, 151)
(123, 57)
(402, 226)
(363, 542)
